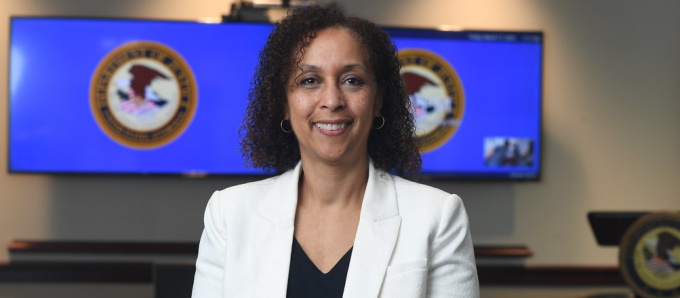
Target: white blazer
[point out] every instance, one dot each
(412, 241)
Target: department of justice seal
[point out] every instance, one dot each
(436, 96)
(649, 255)
(143, 95)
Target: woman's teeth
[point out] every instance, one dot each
(326, 126)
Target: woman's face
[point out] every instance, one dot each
(332, 98)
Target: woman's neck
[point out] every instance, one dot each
(322, 185)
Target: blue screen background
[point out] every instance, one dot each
(502, 94)
(53, 130)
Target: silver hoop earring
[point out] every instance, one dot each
(284, 130)
(381, 124)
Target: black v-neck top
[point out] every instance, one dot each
(306, 280)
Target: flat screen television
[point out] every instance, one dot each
(122, 96)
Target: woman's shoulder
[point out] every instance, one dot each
(424, 207)
(403, 185)
(418, 195)
(249, 189)
(251, 192)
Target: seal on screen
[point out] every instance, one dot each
(143, 95)
(436, 95)
(649, 255)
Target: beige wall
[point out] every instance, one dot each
(611, 140)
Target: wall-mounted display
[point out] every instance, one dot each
(121, 96)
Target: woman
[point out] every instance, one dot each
(328, 106)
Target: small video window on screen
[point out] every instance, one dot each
(508, 152)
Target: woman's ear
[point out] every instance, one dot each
(379, 98)
(286, 113)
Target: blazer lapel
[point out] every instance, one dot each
(376, 236)
(273, 237)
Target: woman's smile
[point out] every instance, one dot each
(332, 128)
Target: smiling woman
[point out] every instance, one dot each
(265, 145)
(332, 100)
(328, 101)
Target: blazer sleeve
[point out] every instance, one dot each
(211, 252)
(453, 272)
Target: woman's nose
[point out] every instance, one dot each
(332, 98)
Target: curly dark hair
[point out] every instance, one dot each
(264, 144)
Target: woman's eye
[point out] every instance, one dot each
(308, 81)
(354, 81)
